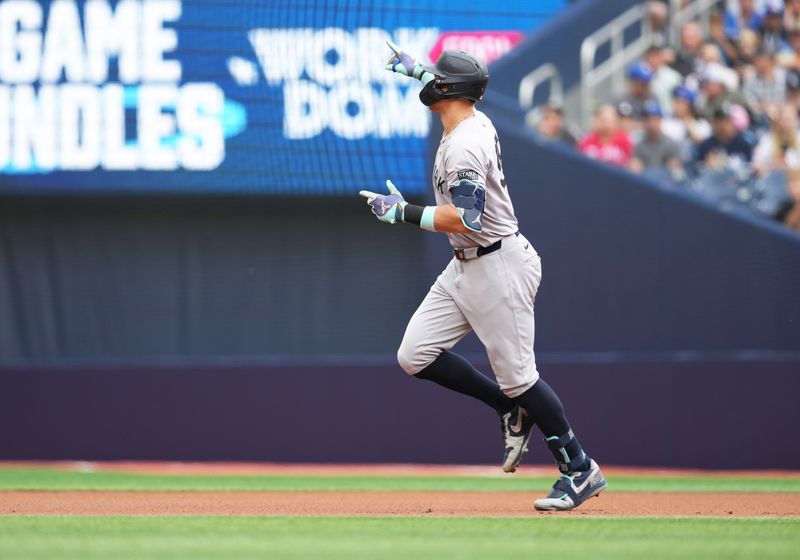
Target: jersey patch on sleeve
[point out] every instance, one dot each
(469, 174)
(469, 199)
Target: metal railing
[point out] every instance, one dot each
(546, 73)
(610, 73)
(621, 55)
(697, 9)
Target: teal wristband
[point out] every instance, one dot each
(426, 222)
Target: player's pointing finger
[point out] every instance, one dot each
(395, 47)
(391, 187)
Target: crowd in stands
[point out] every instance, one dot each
(719, 102)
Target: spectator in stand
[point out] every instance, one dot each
(765, 87)
(793, 89)
(607, 141)
(779, 147)
(790, 58)
(772, 36)
(691, 41)
(665, 79)
(739, 16)
(749, 45)
(718, 88)
(716, 34)
(791, 16)
(628, 122)
(551, 126)
(789, 213)
(709, 54)
(726, 147)
(658, 16)
(741, 120)
(640, 75)
(656, 150)
(684, 127)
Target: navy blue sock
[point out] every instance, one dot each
(457, 374)
(546, 410)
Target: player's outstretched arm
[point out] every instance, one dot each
(405, 64)
(393, 209)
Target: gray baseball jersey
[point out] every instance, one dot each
(470, 154)
(493, 294)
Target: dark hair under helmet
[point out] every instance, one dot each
(465, 75)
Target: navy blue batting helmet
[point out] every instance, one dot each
(465, 76)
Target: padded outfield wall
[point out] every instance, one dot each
(667, 327)
(264, 328)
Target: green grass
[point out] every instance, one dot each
(46, 479)
(417, 538)
(197, 538)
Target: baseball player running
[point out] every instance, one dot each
(490, 284)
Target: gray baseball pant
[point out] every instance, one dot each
(492, 295)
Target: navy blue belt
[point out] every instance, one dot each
(474, 252)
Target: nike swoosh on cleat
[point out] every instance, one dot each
(582, 487)
(518, 426)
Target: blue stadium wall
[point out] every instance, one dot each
(669, 329)
(233, 328)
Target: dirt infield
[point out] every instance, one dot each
(387, 504)
(372, 503)
(332, 469)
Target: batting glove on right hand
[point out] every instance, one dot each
(388, 208)
(403, 63)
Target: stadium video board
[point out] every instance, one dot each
(226, 96)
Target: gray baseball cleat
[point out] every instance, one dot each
(572, 489)
(517, 427)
